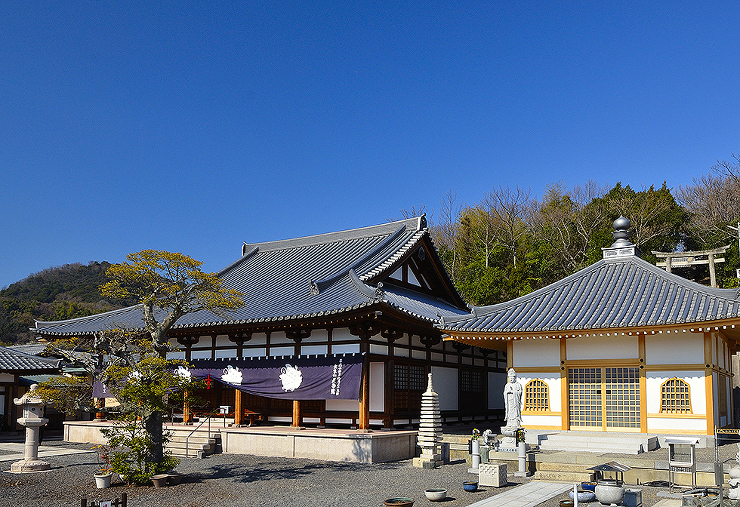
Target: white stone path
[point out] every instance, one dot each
(526, 495)
(18, 449)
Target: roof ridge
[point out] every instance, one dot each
(416, 223)
(40, 324)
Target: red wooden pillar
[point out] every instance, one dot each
(238, 412)
(365, 396)
(297, 418)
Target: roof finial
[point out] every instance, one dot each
(621, 233)
(622, 246)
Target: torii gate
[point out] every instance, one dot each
(688, 259)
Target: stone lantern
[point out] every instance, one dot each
(33, 418)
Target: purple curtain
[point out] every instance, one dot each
(289, 377)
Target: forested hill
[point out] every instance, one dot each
(58, 293)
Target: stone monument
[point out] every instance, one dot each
(512, 413)
(33, 418)
(430, 429)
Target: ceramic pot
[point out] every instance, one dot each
(583, 496)
(174, 478)
(103, 480)
(435, 495)
(398, 502)
(159, 480)
(470, 485)
(609, 492)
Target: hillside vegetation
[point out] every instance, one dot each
(58, 293)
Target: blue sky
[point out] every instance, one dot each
(196, 126)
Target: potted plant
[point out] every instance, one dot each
(105, 472)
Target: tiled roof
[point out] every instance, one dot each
(17, 362)
(299, 278)
(620, 292)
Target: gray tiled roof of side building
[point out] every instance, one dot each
(298, 278)
(621, 292)
(14, 361)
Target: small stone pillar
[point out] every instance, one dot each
(33, 418)
(430, 429)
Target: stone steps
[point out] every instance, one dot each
(198, 444)
(574, 441)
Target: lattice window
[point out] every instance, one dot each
(675, 396)
(536, 396)
(471, 381)
(409, 382)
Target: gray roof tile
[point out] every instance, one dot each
(18, 362)
(621, 292)
(299, 278)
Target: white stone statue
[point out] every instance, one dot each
(513, 401)
(734, 481)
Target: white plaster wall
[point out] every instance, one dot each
(347, 348)
(444, 381)
(666, 423)
(278, 338)
(204, 341)
(281, 351)
(538, 352)
(695, 379)
(419, 354)
(317, 335)
(343, 405)
(307, 350)
(342, 334)
(602, 347)
(674, 348)
(222, 340)
(416, 341)
(496, 383)
(542, 420)
(226, 353)
(377, 387)
(257, 339)
(378, 349)
(400, 352)
(258, 352)
(178, 354)
(201, 354)
(6, 377)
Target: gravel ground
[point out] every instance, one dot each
(243, 480)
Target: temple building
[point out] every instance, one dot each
(360, 307)
(620, 346)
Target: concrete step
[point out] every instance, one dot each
(554, 475)
(596, 442)
(562, 467)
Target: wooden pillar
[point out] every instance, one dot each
(99, 415)
(364, 423)
(564, 391)
(643, 382)
(709, 382)
(238, 412)
(297, 419)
